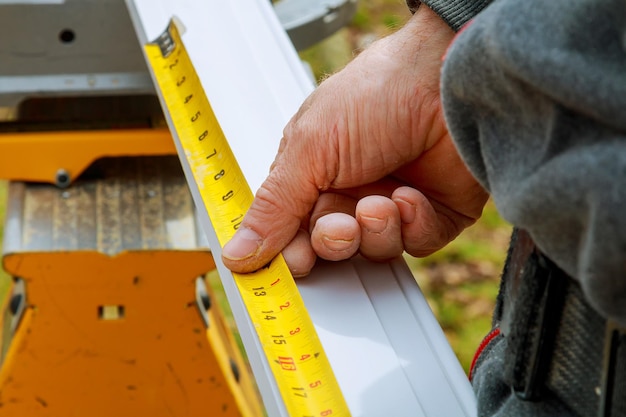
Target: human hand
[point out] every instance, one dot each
(366, 165)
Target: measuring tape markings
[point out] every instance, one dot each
(287, 335)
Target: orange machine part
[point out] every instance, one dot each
(40, 156)
(120, 336)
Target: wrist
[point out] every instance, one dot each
(426, 26)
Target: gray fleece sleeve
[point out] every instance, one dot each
(454, 12)
(534, 94)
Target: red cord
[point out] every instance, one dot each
(492, 335)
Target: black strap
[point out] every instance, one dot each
(555, 340)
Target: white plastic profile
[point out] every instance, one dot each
(387, 350)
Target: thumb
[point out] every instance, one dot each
(280, 205)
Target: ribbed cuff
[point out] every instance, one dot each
(455, 13)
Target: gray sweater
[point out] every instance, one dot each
(534, 94)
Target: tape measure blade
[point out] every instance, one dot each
(272, 398)
(286, 335)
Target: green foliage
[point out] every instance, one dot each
(484, 240)
(373, 19)
(465, 315)
(392, 21)
(361, 19)
(461, 281)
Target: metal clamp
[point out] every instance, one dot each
(308, 22)
(614, 345)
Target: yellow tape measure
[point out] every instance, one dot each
(295, 355)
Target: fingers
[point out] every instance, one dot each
(272, 221)
(423, 231)
(299, 254)
(374, 231)
(336, 236)
(380, 226)
(335, 232)
(332, 202)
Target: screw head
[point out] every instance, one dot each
(63, 178)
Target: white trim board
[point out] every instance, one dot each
(387, 351)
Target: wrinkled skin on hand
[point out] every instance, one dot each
(366, 165)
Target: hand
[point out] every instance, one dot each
(366, 165)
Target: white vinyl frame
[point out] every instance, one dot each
(386, 348)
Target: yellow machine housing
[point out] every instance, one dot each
(110, 312)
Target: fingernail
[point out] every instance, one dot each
(244, 244)
(373, 224)
(407, 210)
(337, 245)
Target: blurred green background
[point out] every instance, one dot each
(460, 281)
